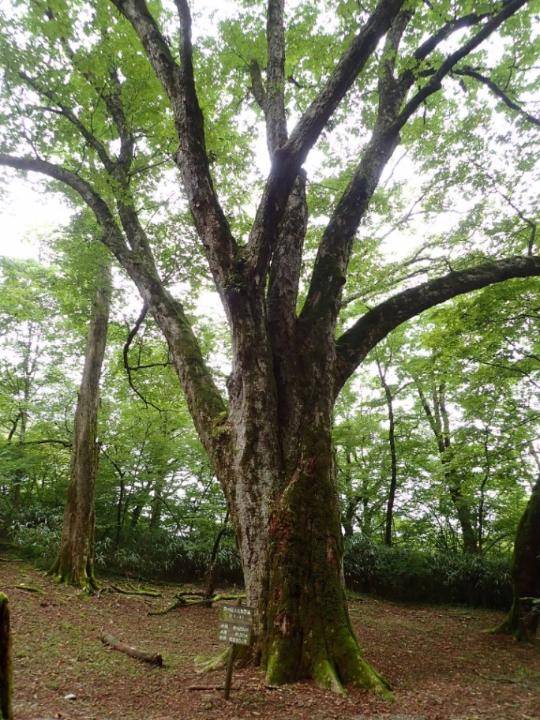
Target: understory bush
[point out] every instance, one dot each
(395, 573)
(399, 573)
(159, 554)
(36, 532)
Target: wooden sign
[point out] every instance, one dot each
(234, 628)
(236, 624)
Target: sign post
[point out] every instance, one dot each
(235, 628)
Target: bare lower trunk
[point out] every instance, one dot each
(522, 620)
(75, 562)
(308, 633)
(6, 711)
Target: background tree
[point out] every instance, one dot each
(75, 561)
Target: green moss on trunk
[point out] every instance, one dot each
(308, 630)
(522, 619)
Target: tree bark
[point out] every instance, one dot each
(522, 619)
(6, 710)
(75, 561)
(389, 517)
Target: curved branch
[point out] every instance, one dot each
(329, 273)
(71, 117)
(353, 346)
(125, 355)
(496, 90)
(192, 159)
(510, 7)
(112, 236)
(204, 398)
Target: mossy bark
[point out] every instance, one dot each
(74, 564)
(293, 571)
(6, 689)
(522, 619)
(308, 633)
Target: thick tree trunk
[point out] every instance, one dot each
(292, 557)
(308, 630)
(6, 711)
(522, 620)
(75, 562)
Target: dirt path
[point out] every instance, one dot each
(440, 662)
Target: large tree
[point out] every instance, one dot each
(84, 109)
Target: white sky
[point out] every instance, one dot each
(26, 214)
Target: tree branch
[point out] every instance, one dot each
(289, 158)
(274, 106)
(112, 236)
(203, 396)
(333, 254)
(329, 273)
(496, 90)
(510, 7)
(66, 112)
(192, 160)
(369, 330)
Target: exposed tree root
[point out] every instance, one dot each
(521, 621)
(217, 662)
(85, 581)
(150, 658)
(330, 669)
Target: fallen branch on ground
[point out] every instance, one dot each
(182, 602)
(28, 588)
(151, 658)
(135, 591)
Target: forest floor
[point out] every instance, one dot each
(441, 663)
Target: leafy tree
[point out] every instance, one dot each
(82, 108)
(75, 561)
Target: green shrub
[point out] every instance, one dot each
(434, 577)
(36, 532)
(160, 554)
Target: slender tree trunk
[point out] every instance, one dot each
(6, 711)
(75, 561)
(439, 421)
(210, 578)
(522, 619)
(389, 517)
(156, 505)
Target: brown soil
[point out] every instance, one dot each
(441, 663)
